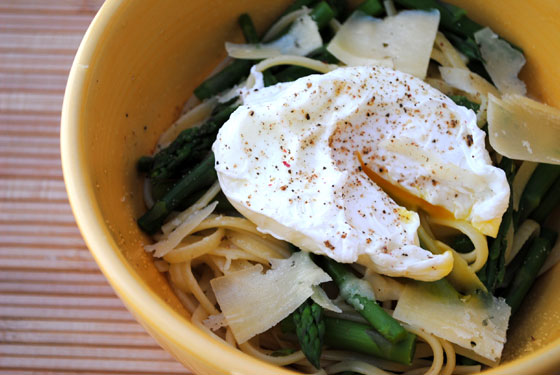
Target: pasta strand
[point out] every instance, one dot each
(479, 255)
(289, 359)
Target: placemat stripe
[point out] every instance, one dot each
(58, 315)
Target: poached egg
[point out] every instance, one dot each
(311, 162)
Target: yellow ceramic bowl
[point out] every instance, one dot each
(138, 63)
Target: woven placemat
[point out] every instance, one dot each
(58, 315)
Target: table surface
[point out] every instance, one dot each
(58, 315)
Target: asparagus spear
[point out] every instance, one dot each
(358, 294)
(493, 272)
(251, 36)
(495, 266)
(515, 265)
(340, 8)
(348, 335)
(550, 201)
(310, 330)
(232, 73)
(462, 244)
(452, 18)
(200, 177)
(322, 13)
(461, 100)
(344, 334)
(539, 184)
(189, 148)
(467, 47)
(529, 270)
(269, 79)
(371, 7)
(224, 79)
(248, 28)
(292, 73)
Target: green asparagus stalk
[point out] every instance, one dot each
(358, 294)
(188, 149)
(232, 73)
(537, 187)
(515, 265)
(344, 334)
(371, 7)
(467, 47)
(248, 28)
(493, 272)
(310, 330)
(235, 71)
(452, 18)
(456, 12)
(269, 79)
(495, 266)
(293, 73)
(525, 277)
(200, 177)
(462, 244)
(550, 201)
(224, 79)
(322, 13)
(340, 8)
(462, 100)
(361, 338)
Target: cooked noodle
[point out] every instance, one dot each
(197, 245)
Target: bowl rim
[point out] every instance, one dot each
(137, 296)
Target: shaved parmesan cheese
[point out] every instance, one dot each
(385, 288)
(437, 308)
(502, 62)
(452, 56)
(167, 244)
(302, 38)
(284, 22)
(404, 41)
(215, 322)
(191, 119)
(468, 82)
(320, 298)
(253, 302)
(521, 128)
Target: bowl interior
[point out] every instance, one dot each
(139, 63)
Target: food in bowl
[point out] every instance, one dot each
(423, 241)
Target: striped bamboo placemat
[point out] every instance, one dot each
(58, 315)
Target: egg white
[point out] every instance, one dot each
(287, 160)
